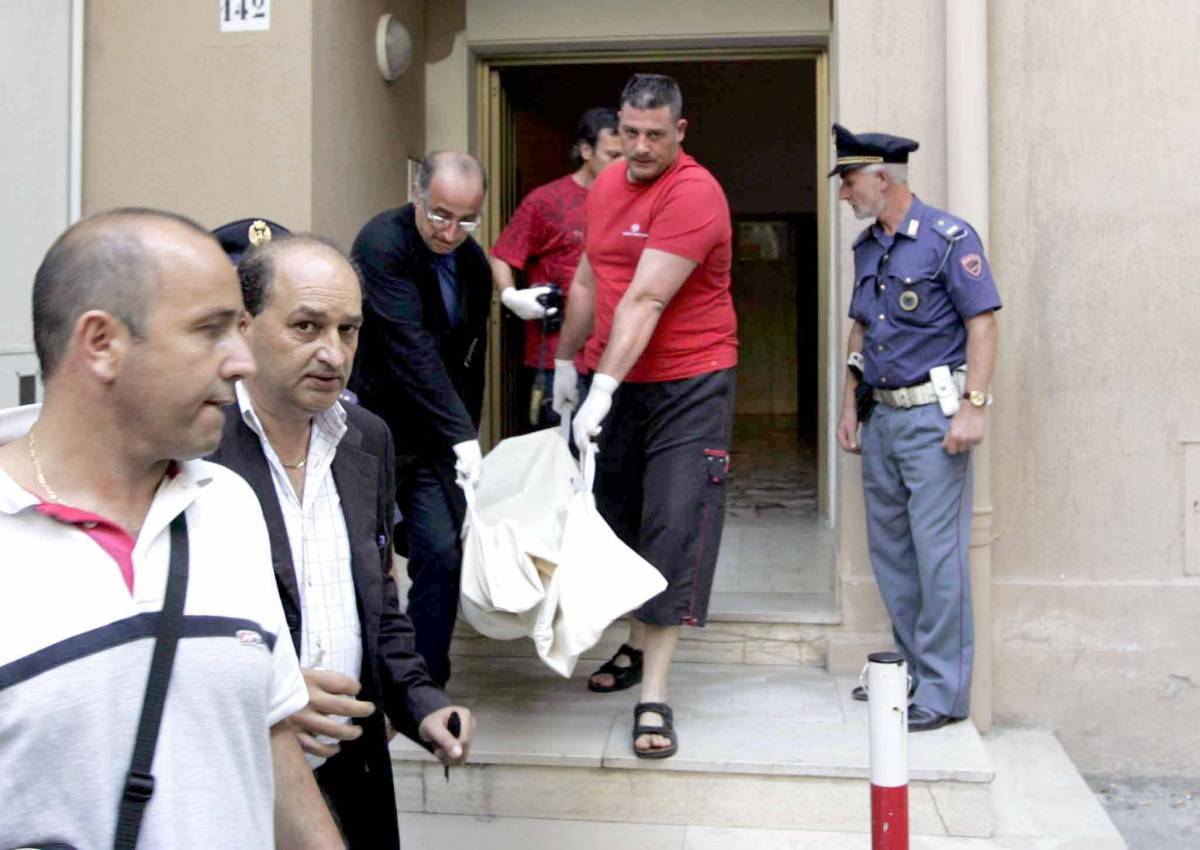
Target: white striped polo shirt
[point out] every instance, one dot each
(75, 648)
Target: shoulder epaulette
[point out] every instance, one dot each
(948, 227)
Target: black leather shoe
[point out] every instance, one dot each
(860, 693)
(922, 719)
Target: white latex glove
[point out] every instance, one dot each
(524, 302)
(469, 465)
(595, 408)
(566, 386)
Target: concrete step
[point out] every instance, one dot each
(1038, 802)
(716, 643)
(763, 746)
(743, 628)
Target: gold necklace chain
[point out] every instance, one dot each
(41, 476)
(303, 458)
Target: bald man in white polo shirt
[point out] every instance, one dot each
(136, 317)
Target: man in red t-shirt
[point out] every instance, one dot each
(652, 289)
(544, 239)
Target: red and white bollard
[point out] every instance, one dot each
(887, 691)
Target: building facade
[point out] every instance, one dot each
(1061, 130)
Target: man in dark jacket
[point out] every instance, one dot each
(323, 474)
(428, 293)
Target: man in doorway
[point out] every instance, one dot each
(924, 303)
(544, 239)
(135, 320)
(654, 281)
(423, 346)
(324, 475)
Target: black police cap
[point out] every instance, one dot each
(855, 151)
(237, 237)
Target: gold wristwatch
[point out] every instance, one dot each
(978, 398)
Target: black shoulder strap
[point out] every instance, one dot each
(139, 782)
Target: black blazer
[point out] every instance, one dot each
(392, 672)
(422, 376)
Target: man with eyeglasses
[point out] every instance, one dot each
(420, 366)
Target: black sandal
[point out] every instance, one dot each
(667, 730)
(623, 677)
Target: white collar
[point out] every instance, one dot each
(331, 422)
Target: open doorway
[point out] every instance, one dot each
(753, 123)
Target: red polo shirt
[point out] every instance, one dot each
(683, 212)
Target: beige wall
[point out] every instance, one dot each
(363, 128)
(869, 36)
(458, 27)
(1093, 614)
(493, 25)
(180, 115)
(294, 124)
(1093, 617)
(1091, 209)
(448, 81)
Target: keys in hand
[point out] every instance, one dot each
(447, 733)
(454, 727)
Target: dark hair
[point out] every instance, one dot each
(587, 131)
(465, 164)
(653, 91)
(99, 263)
(256, 270)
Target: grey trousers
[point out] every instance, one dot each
(918, 500)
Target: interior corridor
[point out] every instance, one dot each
(777, 551)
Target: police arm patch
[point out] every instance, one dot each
(972, 264)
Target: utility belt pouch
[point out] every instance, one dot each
(864, 401)
(946, 389)
(864, 397)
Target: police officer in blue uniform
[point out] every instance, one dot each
(923, 298)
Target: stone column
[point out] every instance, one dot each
(967, 196)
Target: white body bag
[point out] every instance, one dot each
(538, 559)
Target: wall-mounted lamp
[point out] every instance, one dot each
(393, 47)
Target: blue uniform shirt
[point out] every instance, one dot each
(912, 292)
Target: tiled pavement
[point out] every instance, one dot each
(774, 540)
(777, 553)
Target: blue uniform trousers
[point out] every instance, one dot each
(918, 500)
